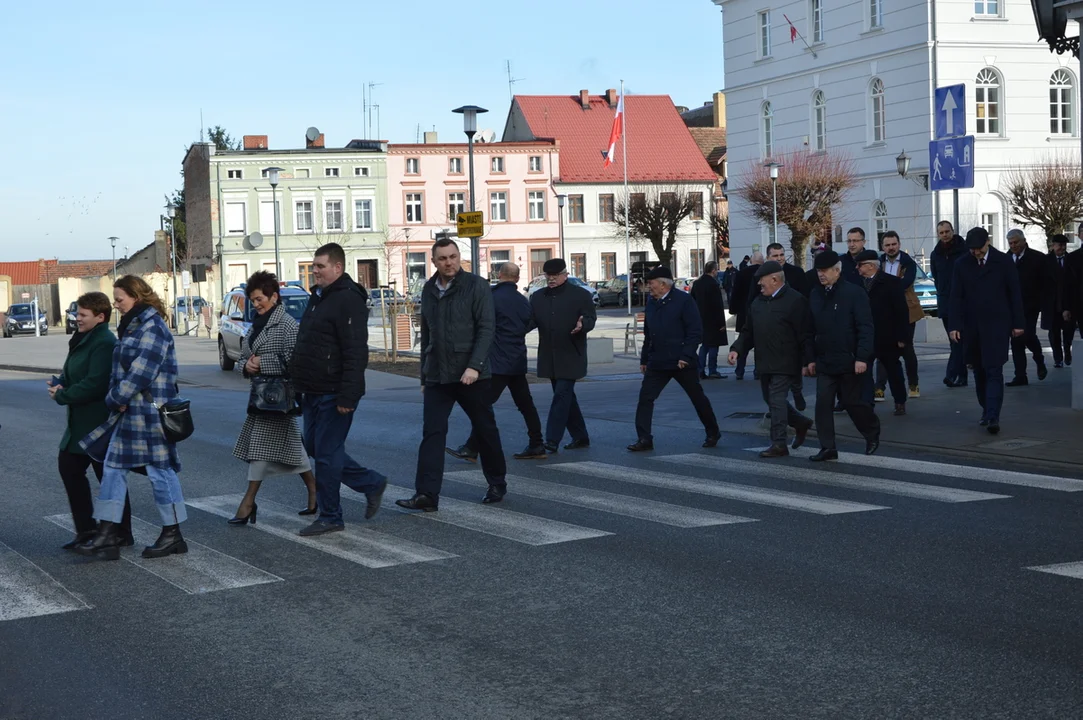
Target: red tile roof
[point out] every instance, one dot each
(30, 272)
(83, 269)
(712, 143)
(660, 148)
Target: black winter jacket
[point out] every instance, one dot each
(942, 265)
(507, 356)
(456, 329)
(562, 355)
(779, 328)
(844, 332)
(890, 315)
(672, 331)
(332, 349)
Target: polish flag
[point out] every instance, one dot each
(614, 134)
(793, 30)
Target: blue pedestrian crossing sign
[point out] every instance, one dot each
(951, 163)
(950, 108)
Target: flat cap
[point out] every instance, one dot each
(660, 271)
(976, 238)
(768, 268)
(554, 266)
(865, 256)
(1058, 240)
(826, 259)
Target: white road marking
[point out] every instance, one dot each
(200, 570)
(494, 520)
(788, 471)
(1005, 477)
(359, 545)
(718, 488)
(1068, 569)
(28, 591)
(639, 508)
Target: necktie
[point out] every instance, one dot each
(981, 263)
(1060, 261)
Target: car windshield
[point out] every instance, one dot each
(20, 310)
(922, 275)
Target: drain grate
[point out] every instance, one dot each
(745, 415)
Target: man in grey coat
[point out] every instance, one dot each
(563, 314)
(457, 326)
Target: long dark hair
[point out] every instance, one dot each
(136, 287)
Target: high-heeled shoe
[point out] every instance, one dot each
(309, 511)
(249, 518)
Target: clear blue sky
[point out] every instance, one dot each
(99, 101)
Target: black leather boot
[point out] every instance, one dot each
(105, 544)
(168, 543)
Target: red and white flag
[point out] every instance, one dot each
(793, 30)
(614, 134)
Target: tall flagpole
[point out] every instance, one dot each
(627, 197)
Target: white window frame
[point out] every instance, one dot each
(235, 174)
(496, 164)
(876, 14)
(763, 34)
(361, 171)
(535, 163)
(877, 112)
(303, 217)
(819, 121)
(498, 206)
(981, 8)
(880, 221)
(244, 217)
(456, 203)
(331, 172)
(983, 87)
(816, 20)
(767, 128)
(413, 166)
(455, 165)
(328, 215)
(263, 216)
(361, 208)
(535, 200)
(415, 206)
(1062, 103)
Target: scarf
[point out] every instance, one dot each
(258, 323)
(76, 338)
(126, 320)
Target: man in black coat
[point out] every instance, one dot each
(949, 249)
(712, 315)
(797, 280)
(890, 322)
(779, 327)
(563, 314)
(1061, 301)
(986, 312)
(899, 264)
(328, 368)
(841, 353)
(1034, 279)
(507, 361)
(671, 333)
(855, 243)
(744, 290)
(457, 328)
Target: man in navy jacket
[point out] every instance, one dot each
(671, 334)
(507, 361)
(942, 259)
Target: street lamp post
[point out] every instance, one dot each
(171, 210)
(272, 177)
(773, 169)
(561, 197)
(113, 244)
(470, 127)
(221, 248)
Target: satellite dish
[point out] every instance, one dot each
(255, 239)
(312, 134)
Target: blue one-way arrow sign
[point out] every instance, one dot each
(950, 110)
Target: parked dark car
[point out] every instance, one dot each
(615, 292)
(69, 318)
(20, 321)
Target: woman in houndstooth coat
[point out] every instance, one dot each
(270, 444)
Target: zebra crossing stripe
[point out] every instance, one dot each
(1068, 569)
(925, 467)
(200, 570)
(718, 488)
(28, 591)
(639, 508)
(787, 471)
(359, 545)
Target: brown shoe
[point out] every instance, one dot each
(775, 451)
(900, 409)
(799, 436)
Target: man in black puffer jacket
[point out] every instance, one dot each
(942, 267)
(328, 368)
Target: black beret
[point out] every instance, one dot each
(660, 271)
(554, 266)
(826, 259)
(865, 256)
(768, 268)
(976, 238)
(1059, 239)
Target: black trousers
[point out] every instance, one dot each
(1061, 334)
(73, 469)
(776, 390)
(654, 381)
(848, 388)
(1028, 341)
(889, 373)
(524, 401)
(475, 400)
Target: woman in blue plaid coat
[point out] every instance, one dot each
(144, 376)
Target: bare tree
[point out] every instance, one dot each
(1048, 195)
(809, 185)
(655, 214)
(719, 222)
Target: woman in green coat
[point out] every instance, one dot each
(81, 389)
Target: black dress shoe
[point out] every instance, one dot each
(463, 453)
(641, 446)
(79, 539)
(494, 494)
(1043, 371)
(871, 446)
(993, 427)
(703, 376)
(104, 544)
(169, 542)
(775, 451)
(799, 435)
(712, 439)
(825, 454)
(578, 445)
(309, 510)
(320, 527)
(799, 401)
(1058, 365)
(1017, 382)
(983, 422)
(420, 501)
(374, 498)
(551, 448)
(532, 452)
(716, 376)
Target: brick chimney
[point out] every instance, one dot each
(584, 99)
(720, 109)
(611, 98)
(255, 142)
(317, 143)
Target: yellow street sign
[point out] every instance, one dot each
(470, 224)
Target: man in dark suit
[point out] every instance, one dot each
(842, 351)
(891, 324)
(1034, 278)
(897, 263)
(855, 243)
(986, 312)
(1062, 294)
(949, 249)
(744, 288)
(708, 297)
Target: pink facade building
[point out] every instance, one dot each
(428, 185)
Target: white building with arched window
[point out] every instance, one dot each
(872, 68)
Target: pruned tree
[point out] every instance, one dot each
(809, 185)
(654, 214)
(1048, 195)
(719, 222)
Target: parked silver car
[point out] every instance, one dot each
(540, 281)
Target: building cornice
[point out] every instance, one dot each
(864, 59)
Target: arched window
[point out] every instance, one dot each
(768, 117)
(879, 216)
(819, 120)
(878, 117)
(987, 99)
(1061, 103)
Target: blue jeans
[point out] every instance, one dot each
(325, 440)
(564, 414)
(708, 359)
(164, 484)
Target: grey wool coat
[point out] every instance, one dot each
(263, 437)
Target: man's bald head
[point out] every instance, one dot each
(509, 272)
(756, 259)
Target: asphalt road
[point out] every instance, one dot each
(687, 584)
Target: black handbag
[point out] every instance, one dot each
(176, 416)
(272, 395)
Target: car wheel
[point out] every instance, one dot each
(45, 332)
(68, 330)
(223, 359)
